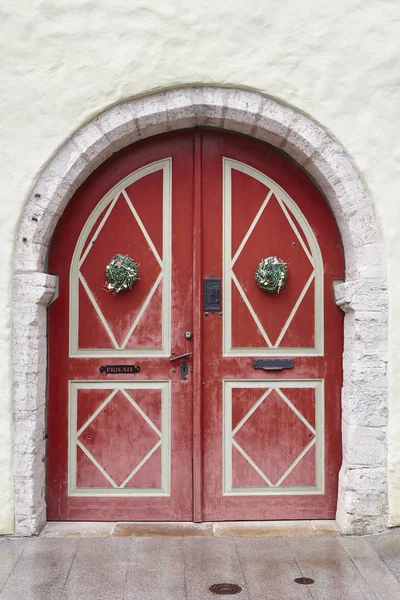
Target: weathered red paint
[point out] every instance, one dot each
(123, 236)
(267, 441)
(196, 458)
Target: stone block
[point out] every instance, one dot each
(29, 494)
(30, 429)
(362, 295)
(33, 288)
(366, 331)
(30, 256)
(209, 106)
(30, 462)
(31, 356)
(272, 125)
(242, 111)
(364, 446)
(180, 109)
(364, 406)
(351, 524)
(151, 115)
(32, 523)
(303, 139)
(365, 370)
(93, 142)
(70, 164)
(29, 391)
(120, 126)
(365, 229)
(371, 260)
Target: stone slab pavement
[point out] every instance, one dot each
(79, 567)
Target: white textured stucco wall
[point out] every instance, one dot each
(64, 62)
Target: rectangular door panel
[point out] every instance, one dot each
(119, 439)
(273, 437)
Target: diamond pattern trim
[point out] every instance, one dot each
(239, 287)
(82, 251)
(298, 458)
(95, 415)
(313, 255)
(317, 432)
(153, 289)
(163, 441)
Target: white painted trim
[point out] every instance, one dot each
(363, 292)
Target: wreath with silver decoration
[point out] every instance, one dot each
(271, 274)
(121, 273)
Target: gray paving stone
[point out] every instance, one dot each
(270, 569)
(10, 551)
(155, 570)
(335, 575)
(41, 571)
(387, 546)
(98, 571)
(172, 568)
(377, 575)
(208, 561)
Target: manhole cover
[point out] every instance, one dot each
(304, 580)
(225, 589)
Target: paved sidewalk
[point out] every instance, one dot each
(180, 568)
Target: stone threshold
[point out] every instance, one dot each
(186, 529)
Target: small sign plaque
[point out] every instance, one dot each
(117, 369)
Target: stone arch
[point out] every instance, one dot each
(362, 504)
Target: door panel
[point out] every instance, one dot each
(119, 439)
(123, 325)
(125, 445)
(120, 443)
(271, 438)
(256, 322)
(273, 435)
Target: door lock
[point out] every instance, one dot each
(188, 335)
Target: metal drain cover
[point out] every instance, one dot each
(304, 580)
(225, 589)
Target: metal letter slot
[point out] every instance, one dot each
(212, 294)
(273, 364)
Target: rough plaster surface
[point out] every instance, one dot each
(362, 505)
(337, 62)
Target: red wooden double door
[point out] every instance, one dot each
(222, 432)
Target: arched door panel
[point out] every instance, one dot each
(263, 444)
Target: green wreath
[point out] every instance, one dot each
(121, 273)
(271, 274)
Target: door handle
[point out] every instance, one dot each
(172, 358)
(273, 364)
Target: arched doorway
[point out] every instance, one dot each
(362, 296)
(235, 412)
